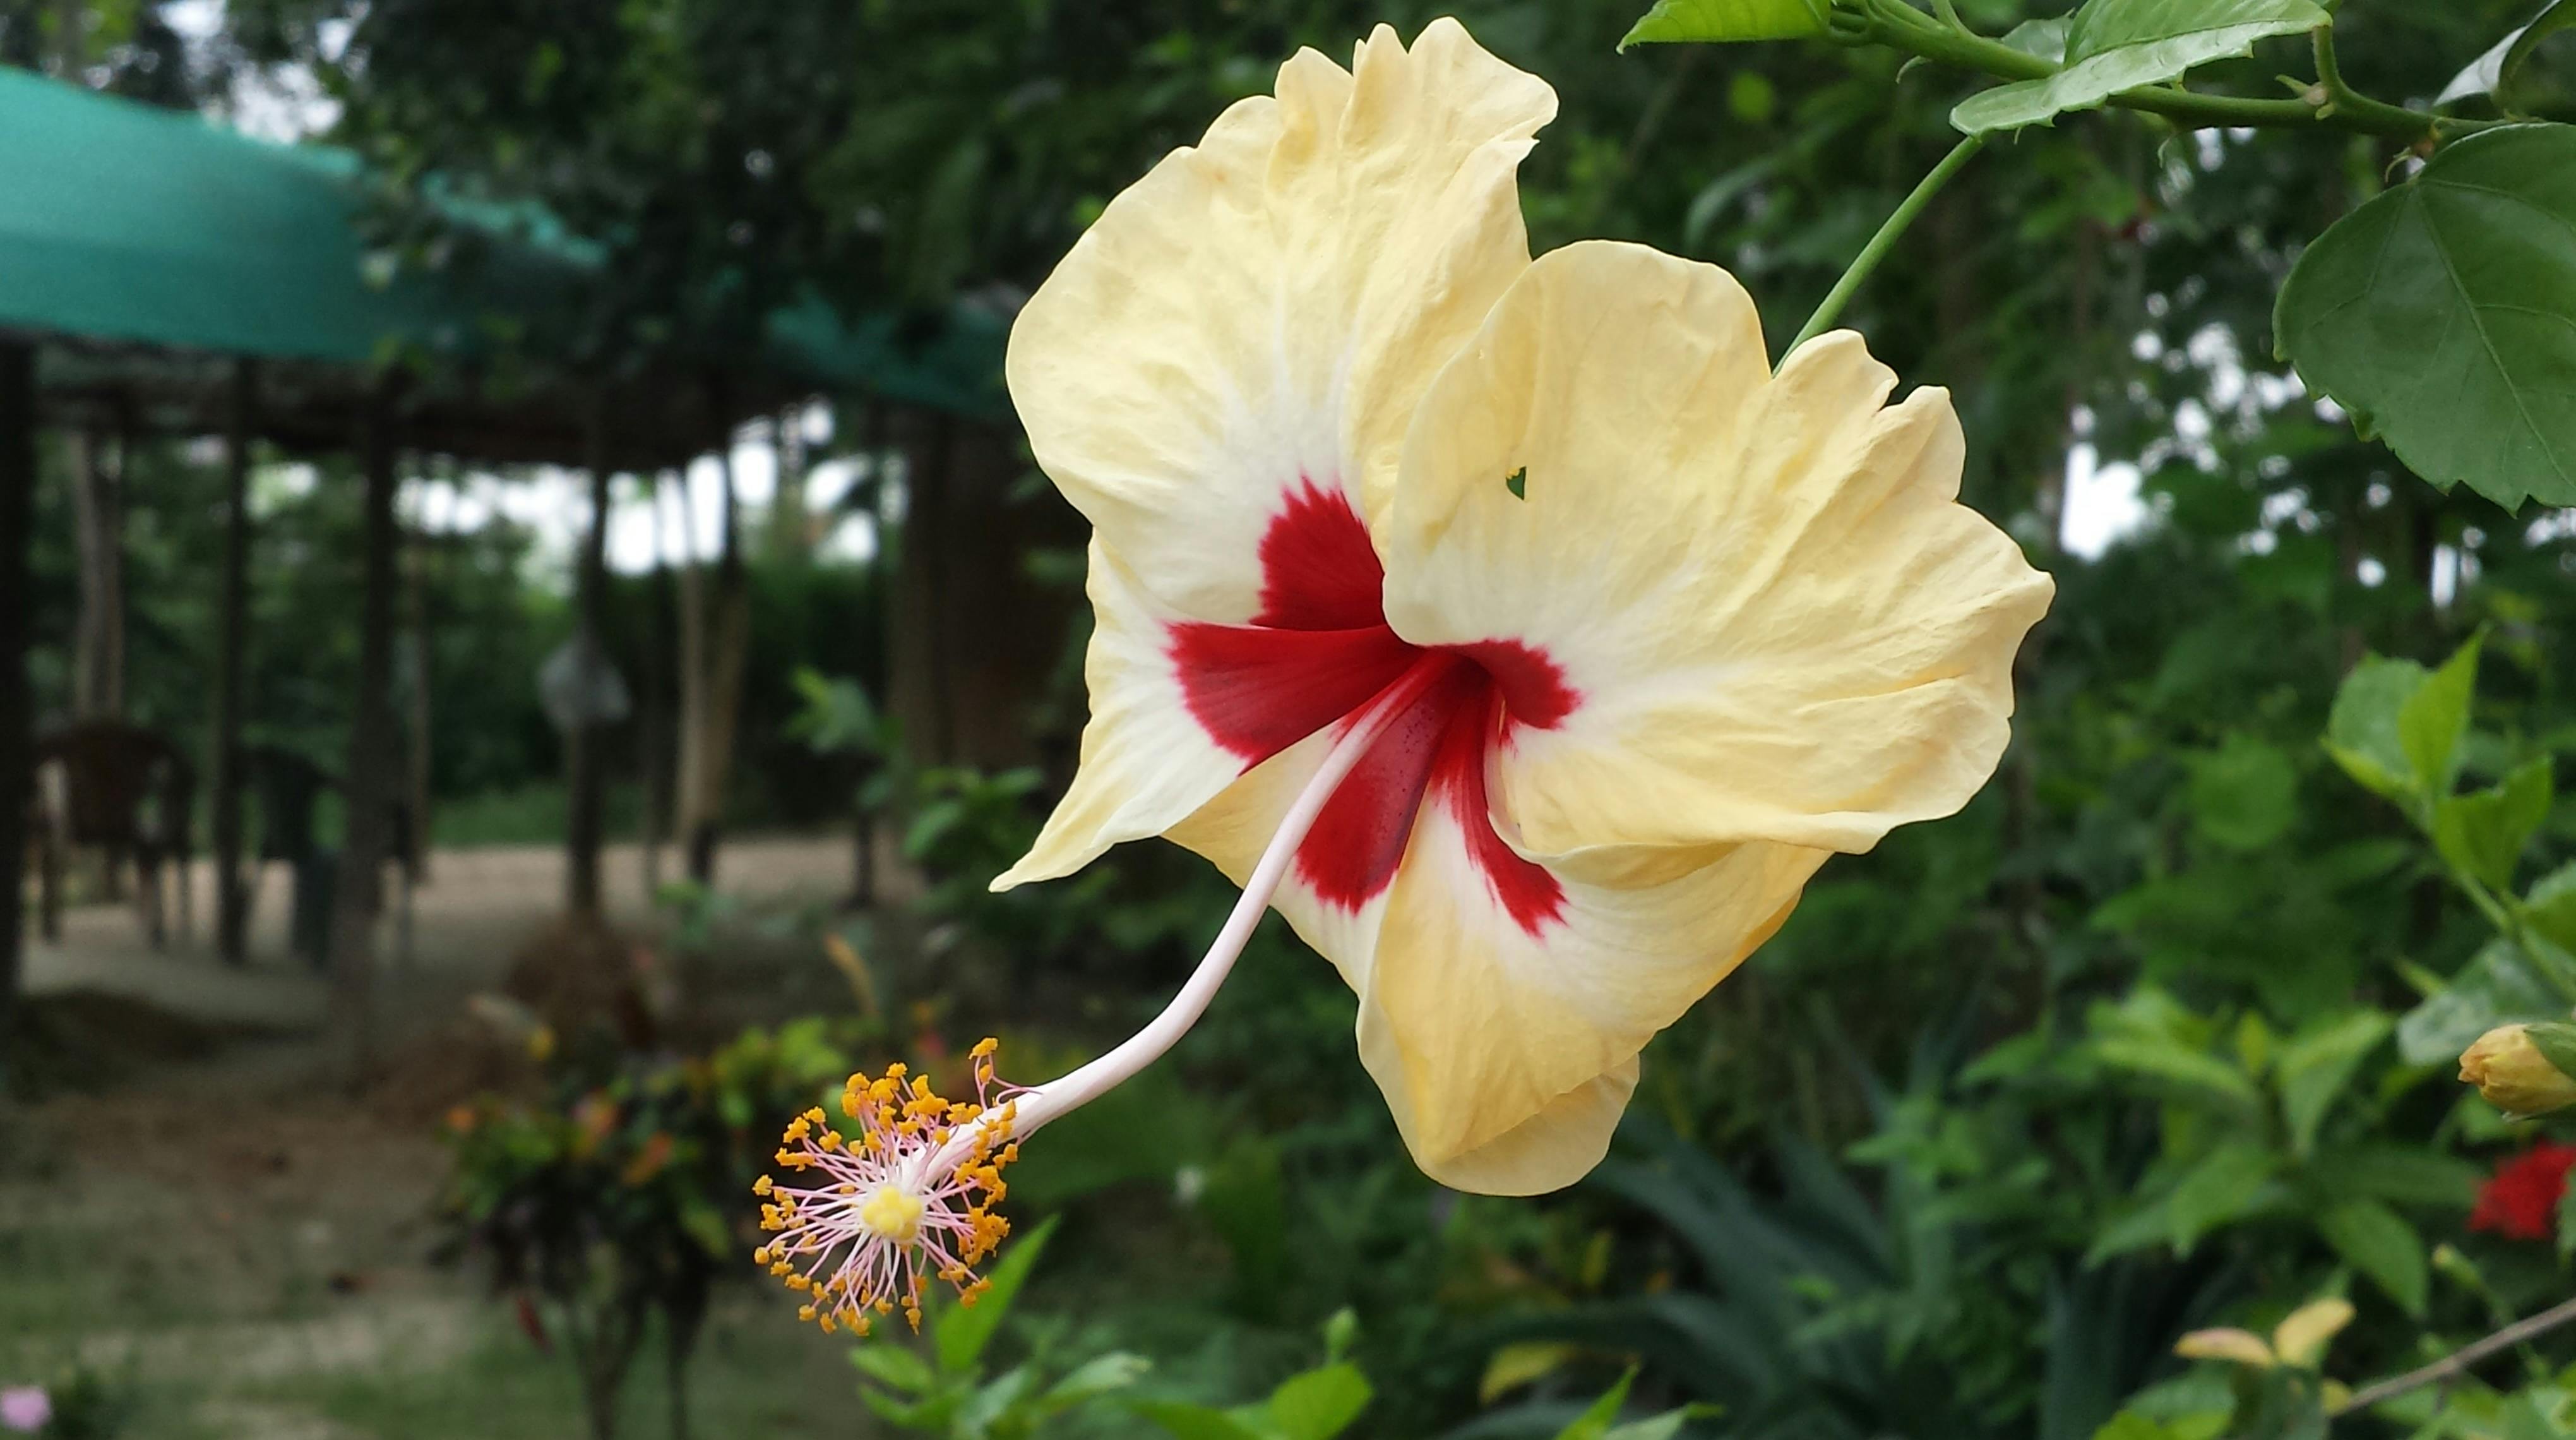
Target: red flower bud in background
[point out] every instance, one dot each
(2521, 1201)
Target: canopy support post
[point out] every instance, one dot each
(232, 604)
(17, 723)
(588, 758)
(359, 880)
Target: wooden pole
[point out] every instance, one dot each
(98, 514)
(691, 751)
(728, 622)
(927, 518)
(420, 552)
(232, 603)
(368, 792)
(588, 758)
(655, 730)
(17, 724)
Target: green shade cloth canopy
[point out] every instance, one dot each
(155, 240)
(123, 222)
(947, 360)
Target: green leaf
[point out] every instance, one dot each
(890, 1364)
(2116, 45)
(2397, 1174)
(1722, 20)
(2438, 315)
(975, 1418)
(2500, 985)
(932, 1414)
(2484, 832)
(962, 1331)
(2229, 1183)
(2145, 1225)
(2245, 795)
(1319, 1404)
(2432, 722)
(2194, 1070)
(2556, 1042)
(2043, 38)
(706, 1225)
(2493, 73)
(1341, 1332)
(1751, 97)
(1094, 1378)
(2555, 16)
(1664, 1426)
(2379, 1243)
(1194, 1422)
(2551, 906)
(1594, 1423)
(2361, 731)
(2314, 1067)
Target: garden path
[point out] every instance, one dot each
(239, 1250)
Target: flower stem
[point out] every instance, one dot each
(1037, 1106)
(1880, 243)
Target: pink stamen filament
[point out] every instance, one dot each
(1058, 1097)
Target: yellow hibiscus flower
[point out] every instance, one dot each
(1540, 637)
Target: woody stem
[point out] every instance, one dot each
(2458, 1361)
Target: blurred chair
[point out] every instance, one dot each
(290, 789)
(127, 791)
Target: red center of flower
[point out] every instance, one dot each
(1318, 650)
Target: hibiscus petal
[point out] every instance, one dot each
(1256, 318)
(1506, 1052)
(1146, 760)
(1479, 1030)
(1778, 621)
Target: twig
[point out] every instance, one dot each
(2458, 1361)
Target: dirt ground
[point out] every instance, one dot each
(236, 1247)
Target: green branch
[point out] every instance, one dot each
(1880, 243)
(2333, 105)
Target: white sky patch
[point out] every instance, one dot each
(2449, 570)
(673, 520)
(2103, 505)
(283, 103)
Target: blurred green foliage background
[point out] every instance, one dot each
(2122, 1051)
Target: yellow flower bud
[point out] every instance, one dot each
(2514, 1073)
